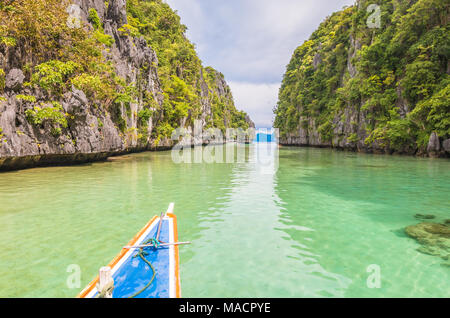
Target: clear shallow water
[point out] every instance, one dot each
(307, 229)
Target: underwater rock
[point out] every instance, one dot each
(424, 216)
(426, 229)
(434, 237)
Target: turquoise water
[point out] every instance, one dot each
(308, 228)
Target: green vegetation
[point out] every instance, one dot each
(60, 57)
(95, 19)
(404, 62)
(179, 69)
(99, 32)
(27, 98)
(2, 137)
(52, 75)
(99, 123)
(144, 116)
(52, 113)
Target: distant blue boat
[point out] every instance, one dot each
(264, 137)
(143, 271)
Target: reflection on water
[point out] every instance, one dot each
(248, 246)
(305, 225)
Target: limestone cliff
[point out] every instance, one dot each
(372, 79)
(74, 93)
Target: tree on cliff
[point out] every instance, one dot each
(374, 89)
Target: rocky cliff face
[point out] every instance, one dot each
(32, 132)
(372, 89)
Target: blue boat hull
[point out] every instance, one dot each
(131, 274)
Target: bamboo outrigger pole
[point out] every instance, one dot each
(169, 210)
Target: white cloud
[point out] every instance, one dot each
(258, 100)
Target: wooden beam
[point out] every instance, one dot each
(161, 219)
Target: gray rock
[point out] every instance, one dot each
(317, 60)
(434, 145)
(79, 97)
(93, 131)
(355, 47)
(401, 103)
(251, 124)
(85, 5)
(117, 12)
(14, 79)
(446, 145)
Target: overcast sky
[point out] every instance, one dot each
(251, 42)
